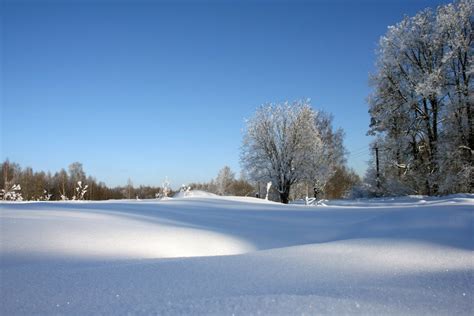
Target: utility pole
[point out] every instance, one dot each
(377, 164)
(5, 175)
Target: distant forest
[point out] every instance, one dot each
(17, 183)
(73, 184)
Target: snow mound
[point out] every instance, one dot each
(408, 201)
(194, 194)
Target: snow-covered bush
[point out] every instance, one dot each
(185, 189)
(46, 196)
(11, 194)
(166, 188)
(80, 191)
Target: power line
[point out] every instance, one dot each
(360, 153)
(360, 149)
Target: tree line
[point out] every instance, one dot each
(226, 183)
(338, 185)
(19, 183)
(73, 184)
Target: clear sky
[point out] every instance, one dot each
(153, 89)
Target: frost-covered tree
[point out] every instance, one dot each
(331, 153)
(285, 144)
(455, 23)
(224, 180)
(421, 106)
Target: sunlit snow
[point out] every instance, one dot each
(204, 254)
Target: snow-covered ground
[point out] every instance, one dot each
(204, 254)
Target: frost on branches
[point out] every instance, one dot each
(185, 189)
(46, 196)
(224, 180)
(166, 188)
(422, 102)
(11, 194)
(290, 143)
(80, 191)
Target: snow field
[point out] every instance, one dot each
(214, 255)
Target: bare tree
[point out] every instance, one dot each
(129, 188)
(62, 184)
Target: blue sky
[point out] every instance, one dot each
(153, 89)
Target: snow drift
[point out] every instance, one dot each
(214, 255)
(194, 193)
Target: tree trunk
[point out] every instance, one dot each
(285, 194)
(434, 147)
